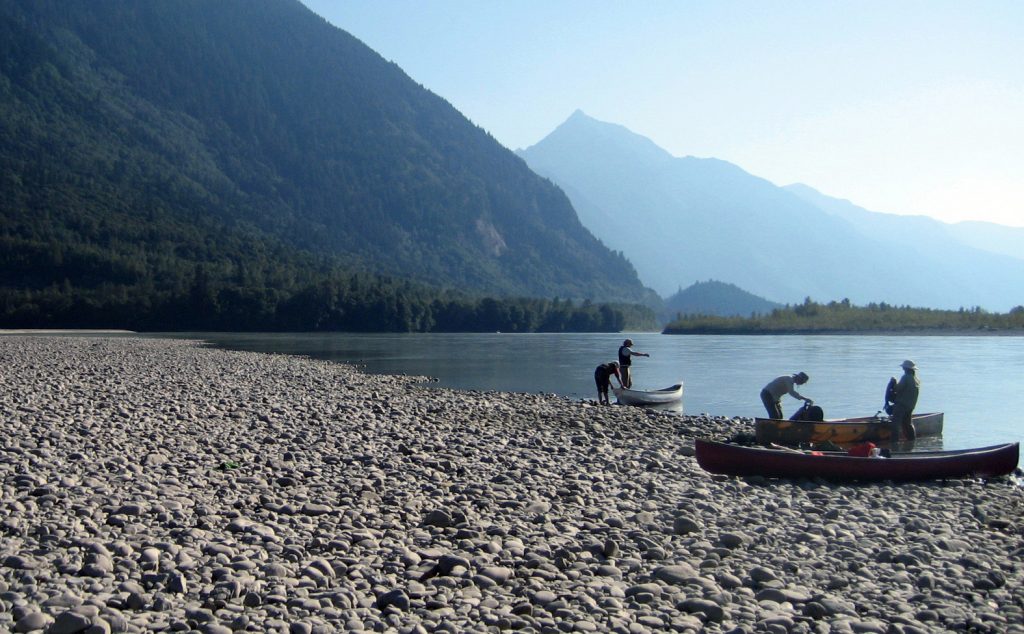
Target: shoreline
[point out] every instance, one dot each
(926, 332)
(158, 484)
(953, 332)
(65, 331)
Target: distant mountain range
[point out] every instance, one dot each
(146, 147)
(983, 236)
(680, 219)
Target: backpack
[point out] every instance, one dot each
(810, 413)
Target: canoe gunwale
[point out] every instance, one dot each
(841, 431)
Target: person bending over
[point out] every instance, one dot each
(771, 395)
(603, 377)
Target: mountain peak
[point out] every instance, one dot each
(583, 133)
(706, 218)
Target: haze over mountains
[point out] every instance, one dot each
(984, 236)
(149, 146)
(682, 219)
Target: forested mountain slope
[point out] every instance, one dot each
(152, 148)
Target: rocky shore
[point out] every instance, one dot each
(158, 485)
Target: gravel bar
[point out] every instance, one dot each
(161, 485)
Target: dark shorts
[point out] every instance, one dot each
(772, 406)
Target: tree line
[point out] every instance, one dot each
(355, 302)
(842, 316)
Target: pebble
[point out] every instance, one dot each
(160, 485)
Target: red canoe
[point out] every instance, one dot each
(737, 460)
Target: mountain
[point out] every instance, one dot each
(982, 236)
(144, 145)
(718, 299)
(682, 218)
(989, 236)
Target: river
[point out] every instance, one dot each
(978, 381)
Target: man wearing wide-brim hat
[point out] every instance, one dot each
(626, 354)
(904, 400)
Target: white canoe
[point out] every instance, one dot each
(667, 396)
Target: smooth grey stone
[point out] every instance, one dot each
(712, 610)
(69, 623)
(650, 588)
(732, 540)
(760, 574)
(33, 621)
(315, 510)
(394, 598)
(543, 597)
(63, 600)
(176, 583)
(497, 574)
(276, 570)
(17, 562)
(675, 574)
(99, 626)
(437, 518)
(684, 525)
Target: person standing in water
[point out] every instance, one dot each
(626, 353)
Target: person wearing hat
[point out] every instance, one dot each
(771, 395)
(626, 353)
(603, 377)
(904, 400)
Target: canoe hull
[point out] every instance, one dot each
(840, 431)
(668, 396)
(736, 460)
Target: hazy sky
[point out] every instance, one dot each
(901, 107)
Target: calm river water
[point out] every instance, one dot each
(978, 381)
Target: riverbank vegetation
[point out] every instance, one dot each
(245, 300)
(843, 317)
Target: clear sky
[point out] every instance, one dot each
(912, 107)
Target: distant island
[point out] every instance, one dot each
(811, 317)
(716, 298)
